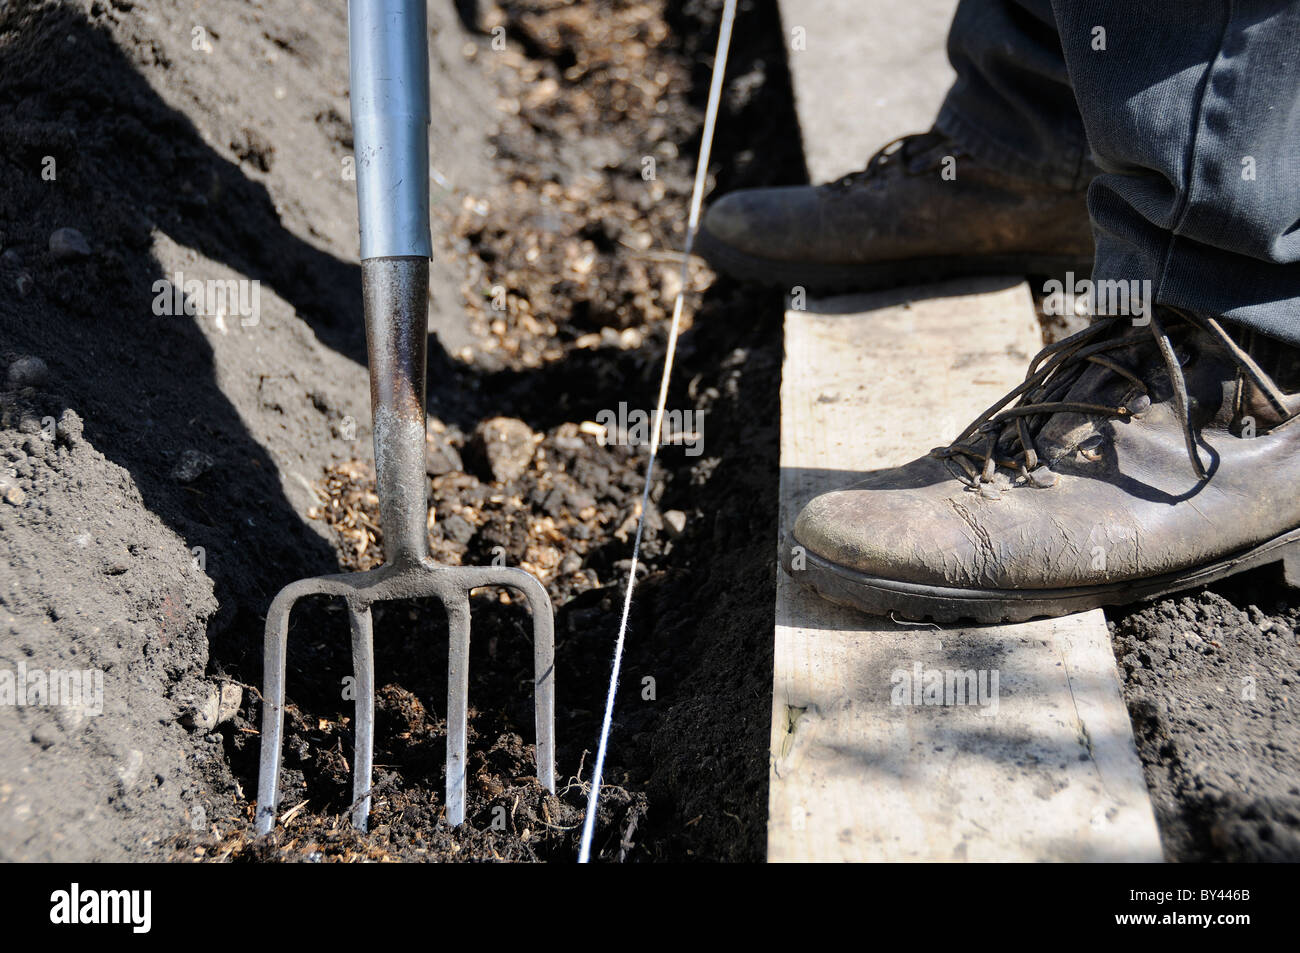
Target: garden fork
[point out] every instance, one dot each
(390, 115)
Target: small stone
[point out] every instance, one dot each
(217, 704)
(457, 528)
(232, 696)
(129, 770)
(116, 567)
(990, 492)
(440, 456)
(193, 464)
(571, 563)
(24, 283)
(46, 735)
(15, 496)
(27, 371)
(577, 497)
(622, 566)
(70, 427)
(1043, 478)
(505, 446)
(68, 244)
(553, 504)
(11, 258)
(203, 715)
(675, 521)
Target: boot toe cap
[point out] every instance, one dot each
(758, 222)
(890, 535)
(729, 219)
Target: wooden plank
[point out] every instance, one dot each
(1045, 768)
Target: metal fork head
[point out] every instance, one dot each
(360, 591)
(395, 293)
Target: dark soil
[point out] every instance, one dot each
(170, 473)
(1211, 683)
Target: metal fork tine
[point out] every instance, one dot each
(275, 646)
(363, 752)
(457, 704)
(543, 681)
(539, 603)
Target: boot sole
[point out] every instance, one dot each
(820, 278)
(916, 602)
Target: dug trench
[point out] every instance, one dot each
(193, 466)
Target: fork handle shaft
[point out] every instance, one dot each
(396, 294)
(388, 58)
(389, 63)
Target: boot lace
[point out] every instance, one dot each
(900, 151)
(1004, 435)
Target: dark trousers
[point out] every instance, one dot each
(1181, 117)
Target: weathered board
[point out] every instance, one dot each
(1045, 767)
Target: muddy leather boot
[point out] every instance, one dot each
(899, 221)
(1132, 462)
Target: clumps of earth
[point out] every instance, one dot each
(571, 251)
(561, 505)
(55, 488)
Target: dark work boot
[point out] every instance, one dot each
(922, 210)
(1132, 462)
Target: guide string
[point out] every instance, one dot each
(692, 224)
